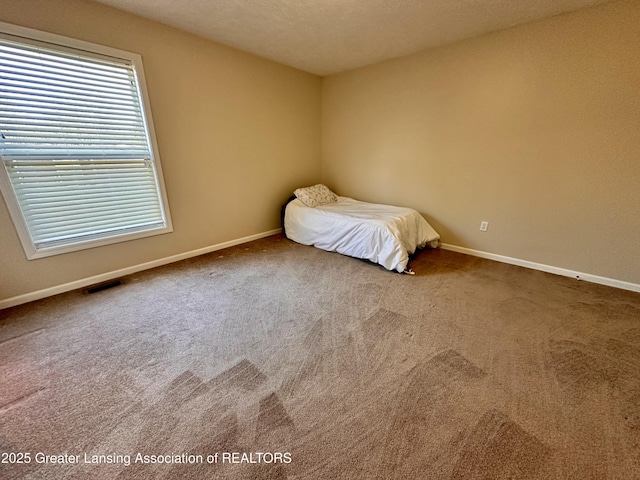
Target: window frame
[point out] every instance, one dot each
(66, 44)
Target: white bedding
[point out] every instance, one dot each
(381, 233)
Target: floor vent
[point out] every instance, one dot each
(98, 287)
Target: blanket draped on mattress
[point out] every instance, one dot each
(383, 234)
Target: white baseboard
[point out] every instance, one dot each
(587, 277)
(85, 282)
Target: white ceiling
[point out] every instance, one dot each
(330, 36)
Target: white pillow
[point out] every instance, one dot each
(315, 196)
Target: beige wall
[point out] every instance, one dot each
(535, 129)
(236, 135)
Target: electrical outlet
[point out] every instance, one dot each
(484, 226)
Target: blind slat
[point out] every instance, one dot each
(64, 176)
(44, 86)
(24, 63)
(70, 225)
(46, 211)
(59, 56)
(17, 91)
(62, 106)
(97, 233)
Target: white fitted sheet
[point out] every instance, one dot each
(383, 234)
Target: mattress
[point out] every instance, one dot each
(383, 234)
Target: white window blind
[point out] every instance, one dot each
(75, 146)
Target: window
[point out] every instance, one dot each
(80, 166)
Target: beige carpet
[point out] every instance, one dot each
(327, 366)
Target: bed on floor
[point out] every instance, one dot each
(383, 234)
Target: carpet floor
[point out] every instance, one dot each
(273, 360)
